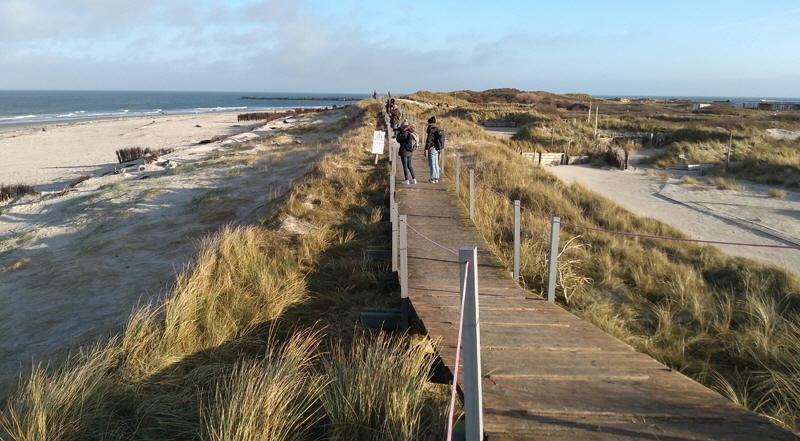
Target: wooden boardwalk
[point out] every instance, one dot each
(548, 375)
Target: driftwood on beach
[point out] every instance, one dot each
(134, 153)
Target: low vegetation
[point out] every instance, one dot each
(670, 127)
(258, 337)
(12, 191)
(729, 323)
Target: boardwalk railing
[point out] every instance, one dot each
(469, 325)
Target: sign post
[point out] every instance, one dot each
(378, 143)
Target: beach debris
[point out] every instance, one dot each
(78, 180)
(134, 153)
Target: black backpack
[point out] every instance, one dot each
(438, 139)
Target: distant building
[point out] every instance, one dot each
(760, 105)
(578, 107)
(699, 106)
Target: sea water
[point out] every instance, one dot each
(23, 107)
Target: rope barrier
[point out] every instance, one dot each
(429, 240)
(643, 236)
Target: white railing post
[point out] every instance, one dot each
(552, 265)
(473, 389)
(472, 195)
(403, 273)
(516, 239)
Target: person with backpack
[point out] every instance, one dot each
(408, 141)
(394, 118)
(432, 148)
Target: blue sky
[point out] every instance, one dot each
(652, 48)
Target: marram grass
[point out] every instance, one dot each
(236, 349)
(729, 323)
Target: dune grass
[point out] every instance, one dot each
(254, 333)
(729, 323)
(12, 191)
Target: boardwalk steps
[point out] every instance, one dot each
(547, 374)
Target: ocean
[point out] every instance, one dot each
(26, 107)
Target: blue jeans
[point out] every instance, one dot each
(406, 161)
(433, 162)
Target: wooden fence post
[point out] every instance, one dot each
(472, 195)
(458, 174)
(395, 233)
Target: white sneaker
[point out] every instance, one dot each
(413, 181)
(404, 182)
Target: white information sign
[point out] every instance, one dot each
(378, 140)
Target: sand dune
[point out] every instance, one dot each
(74, 265)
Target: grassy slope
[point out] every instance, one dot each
(729, 323)
(257, 336)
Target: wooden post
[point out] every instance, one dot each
(458, 174)
(395, 232)
(403, 273)
(589, 117)
(472, 195)
(516, 238)
(552, 265)
(473, 389)
(596, 110)
(728, 157)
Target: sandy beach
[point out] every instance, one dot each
(75, 261)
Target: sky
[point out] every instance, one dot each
(621, 48)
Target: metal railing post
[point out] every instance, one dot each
(516, 238)
(473, 389)
(472, 195)
(552, 265)
(403, 273)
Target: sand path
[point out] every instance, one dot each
(746, 216)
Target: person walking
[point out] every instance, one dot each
(431, 152)
(408, 143)
(394, 118)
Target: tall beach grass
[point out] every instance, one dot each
(255, 339)
(729, 323)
